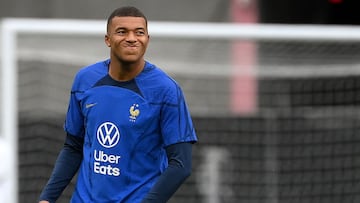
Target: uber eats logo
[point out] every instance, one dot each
(108, 136)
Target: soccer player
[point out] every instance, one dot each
(129, 131)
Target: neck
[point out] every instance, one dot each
(125, 71)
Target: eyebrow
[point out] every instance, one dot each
(125, 28)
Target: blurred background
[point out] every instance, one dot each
(277, 120)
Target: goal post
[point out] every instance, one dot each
(8, 125)
(12, 27)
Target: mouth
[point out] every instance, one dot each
(131, 51)
(131, 48)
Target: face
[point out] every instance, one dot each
(127, 38)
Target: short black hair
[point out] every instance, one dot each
(124, 12)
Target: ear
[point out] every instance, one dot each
(107, 40)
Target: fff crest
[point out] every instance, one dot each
(134, 112)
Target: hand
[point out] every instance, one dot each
(44, 201)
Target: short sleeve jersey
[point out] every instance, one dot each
(125, 126)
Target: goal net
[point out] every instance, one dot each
(276, 107)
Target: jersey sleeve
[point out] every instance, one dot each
(66, 165)
(179, 169)
(74, 121)
(176, 122)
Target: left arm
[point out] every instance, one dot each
(179, 168)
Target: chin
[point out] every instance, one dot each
(129, 58)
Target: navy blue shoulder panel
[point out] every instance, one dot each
(130, 85)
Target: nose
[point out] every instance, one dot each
(131, 37)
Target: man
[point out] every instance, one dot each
(128, 128)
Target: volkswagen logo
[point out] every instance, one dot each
(108, 135)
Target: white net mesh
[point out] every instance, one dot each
(281, 115)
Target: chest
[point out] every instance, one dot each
(121, 106)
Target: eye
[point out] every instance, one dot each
(120, 32)
(140, 33)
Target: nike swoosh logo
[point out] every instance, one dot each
(90, 105)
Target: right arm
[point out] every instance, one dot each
(66, 166)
